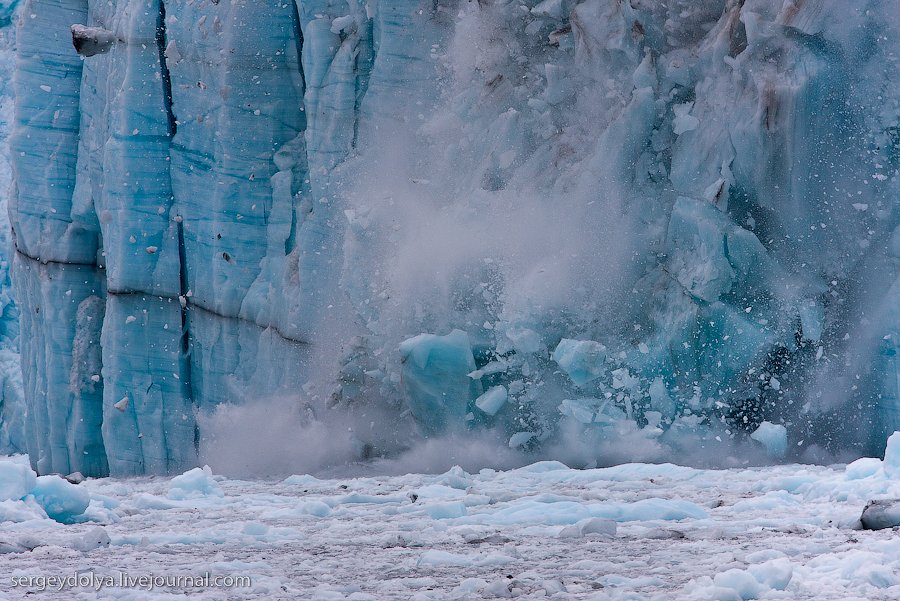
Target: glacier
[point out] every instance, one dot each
(617, 227)
(12, 402)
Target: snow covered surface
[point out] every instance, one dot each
(634, 531)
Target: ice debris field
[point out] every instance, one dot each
(633, 531)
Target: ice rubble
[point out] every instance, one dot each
(676, 215)
(198, 482)
(24, 495)
(633, 531)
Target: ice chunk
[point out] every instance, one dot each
(698, 257)
(95, 538)
(494, 367)
(583, 528)
(881, 514)
(17, 479)
(863, 467)
(438, 558)
(435, 379)
(741, 582)
(62, 500)
(684, 121)
(556, 9)
(121, 404)
(755, 581)
(314, 508)
(660, 400)
(623, 379)
(520, 439)
(343, 23)
(582, 360)
(812, 320)
(524, 339)
(198, 482)
(775, 573)
(75, 478)
(554, 586)
(255, 529)
(89, 41)
(499, 589)
(456, 477)
(492, 400)
(773, 437)
(892, 456)
(445, 511)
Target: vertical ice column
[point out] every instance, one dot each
(237, 93)
(61, 307)
(148, 418)
(12, 408)
(123, 152)
(337, 59)
(9, 321)
(123, 179)
(44, 142)
(370, 71)
(55, 268)
(236, 103)
(404, 32)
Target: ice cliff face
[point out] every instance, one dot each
(597, 225)
(12, 408)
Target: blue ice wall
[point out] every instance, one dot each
(595, 224)
(12, 408)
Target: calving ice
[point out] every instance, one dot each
(592, 230)
(147, 582)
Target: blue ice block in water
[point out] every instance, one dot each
(436, 381)
(62, 500)
(582, 360)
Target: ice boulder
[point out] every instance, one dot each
(599, 526)
(198, 482)
(864, 467)
(697, 239)
(435, 379)
(26, 496)
(520, 439)
(754, 582)
(773, 437)
(62, 500)
(881, 514)
(89, 41)
(95, 538)
(493, 400)
(16, 479)
(582, 360)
